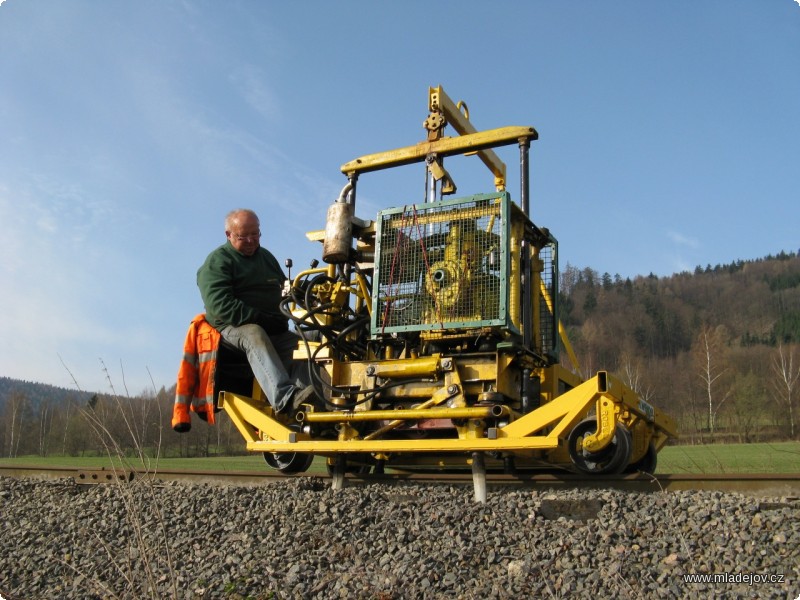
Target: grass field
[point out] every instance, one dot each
(252, 462)
(779, 457)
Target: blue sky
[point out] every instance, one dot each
(669, 138)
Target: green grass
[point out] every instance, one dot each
(778, 457)
(251, 462)
(228, 463)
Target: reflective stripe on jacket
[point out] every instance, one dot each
(195, 389)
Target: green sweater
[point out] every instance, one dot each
(238, 289)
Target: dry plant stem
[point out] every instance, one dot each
(133, 514)
(700, 469)
(94, 584)
(630, 592)
(550, 590)
(135, 510)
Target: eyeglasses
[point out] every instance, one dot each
(247, 238)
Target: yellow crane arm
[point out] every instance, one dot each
(440, 102)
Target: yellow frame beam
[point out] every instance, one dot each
(448, 146)
(562, 413)
(406, 446)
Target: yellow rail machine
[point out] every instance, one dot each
(432, 332)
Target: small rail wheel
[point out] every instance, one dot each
(612, 459)
(289, 463)
(646, 464)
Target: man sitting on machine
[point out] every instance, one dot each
(241, 285)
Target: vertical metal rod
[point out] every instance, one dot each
(427, 182)
(524, 177)
(337, 474)
(430, 192)
(525, 249)
(479, 476)
(353, 180)
(525, 401)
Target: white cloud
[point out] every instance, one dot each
(682, 252)
(252, 84)
(680, 239)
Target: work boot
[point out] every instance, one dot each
(306, 395)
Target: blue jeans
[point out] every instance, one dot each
(270, 357)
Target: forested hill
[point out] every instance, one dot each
(733, 325)
(38, 393)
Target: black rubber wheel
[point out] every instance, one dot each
(646, 464)
(613, 459)
(289, 463)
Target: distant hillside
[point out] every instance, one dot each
(730, 325)
(38, 393)
(757, 301)
(40, 419)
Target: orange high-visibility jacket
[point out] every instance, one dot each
(195, 389)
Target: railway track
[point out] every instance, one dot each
(781, 484)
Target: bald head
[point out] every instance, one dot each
(243, 230)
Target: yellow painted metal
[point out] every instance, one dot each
(563, 412)
(235, 413)
(555, 380)
(252, 417)
(556, 418)
(474, 429)
(614, 387)
(439, 173)
(338, 292)
(442, 394)
(307, 274)
(411, 414)
(606, 426)
(347, 433)
(363, 297)
(466, 212)
(439, 101)
(641, 434)
(425, 366)
(425, 445)
(507, 376)
(444, 147)
(562, 332)
(515, 276)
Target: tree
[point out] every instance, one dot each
(569, 279)
(45, 422)
(15, 413)
(590, 303)
(631, 368)
(709, 355)
(787, 382)
(748, 402)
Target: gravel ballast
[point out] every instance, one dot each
(296, 538)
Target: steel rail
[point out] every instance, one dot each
(779, 484)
